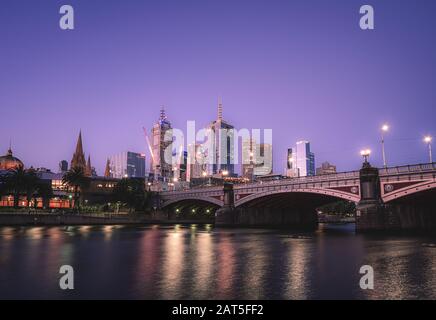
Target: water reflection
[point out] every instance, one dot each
(297, 286)
(254, 267)
(200, 262)
(225, 266)
(172, 263)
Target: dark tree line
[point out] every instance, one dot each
(131, 193)
(20, 182)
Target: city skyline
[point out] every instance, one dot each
(271, 84)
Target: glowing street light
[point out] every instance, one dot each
(204, 173)
(225, 173)
(365, 154)
(428, 140)
(384, 129)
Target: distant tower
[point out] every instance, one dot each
(220, 109)
(222, 145)
(107, 170)
(78, 161)
(160, 169)
(63, 166)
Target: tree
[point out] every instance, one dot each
(31, 184)
(18, 182)
(45, 191)
(76, 179)
(131, 192)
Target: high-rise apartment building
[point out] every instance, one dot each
(196, 166)
(222, 145)
(161, 166)
(256, 159)
(300, 160)
(127, 165)
(264, 163)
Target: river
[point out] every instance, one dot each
(202, 262)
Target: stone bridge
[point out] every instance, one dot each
(402, 197)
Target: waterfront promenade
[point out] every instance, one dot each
(55, 219)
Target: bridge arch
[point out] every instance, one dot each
(203, 199)
(408, 191)
(327, 193)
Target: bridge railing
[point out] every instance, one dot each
(349, 175)
(308, 179)
(415, 168)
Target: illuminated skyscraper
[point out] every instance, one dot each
(264, 161)
(300, 160)
(256, 159)
(196, 162)
(249, 153)
(161, 166)
(222, 145)
(127, 165)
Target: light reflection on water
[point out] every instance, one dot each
(200, 262)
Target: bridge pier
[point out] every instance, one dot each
(298, 217)
(370, 211)
(226, 215)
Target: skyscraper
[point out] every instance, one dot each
(264, 163)
(63, 166)
(196, 162)
(179, 168)
(256, 159)
(222, 145)
(160, 167)
(249, 153)
(300, 160)
(127, 165)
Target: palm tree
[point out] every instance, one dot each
(19, 181)
(45, 191)
(77, 179)
(31, 184)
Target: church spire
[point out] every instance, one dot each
(88, 166)
(79, 145)
(107, 171)
(78, 160)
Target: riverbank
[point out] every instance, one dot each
(51, 219)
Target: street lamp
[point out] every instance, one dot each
(428, 140)
(365, 154)
(225, 173)
(384, 129)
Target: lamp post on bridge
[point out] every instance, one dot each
(384, 129)
(365, 154)
(428, 140)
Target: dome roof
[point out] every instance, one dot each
(8, 161)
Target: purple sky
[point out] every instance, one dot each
(303, 68)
